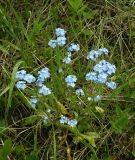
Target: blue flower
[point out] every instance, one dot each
(111, 85)
(39, 81)
(93, 55)
(63, 119)
(106, 67)
(21, 85)
(33, 102)
(104, 50)
(60, 32)
(102, 77)
(61, 41)
(91, 76)
(79, 92)
(29, 78)
(97, 98)
(44, 90)
(43, 74)
(20, 74)
(67, 60)
(72, 122)
(74, 47)
(52, 43)
(99, 68)
(70, 80)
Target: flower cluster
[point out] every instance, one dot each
(67, 59)
(72, 48)
(101, 72)
(23, 77)
(71, 80)
(94, 54)
(44, 90)
(60, 40)
(65, 120)
(43, 75)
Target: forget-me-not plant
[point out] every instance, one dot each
(100, 73)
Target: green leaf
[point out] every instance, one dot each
(3, 49)
(4, 91)
(121, 121)
(90, 136)
(32, 156)
(37, 26)
(75, 4)
(5, 151)
(12, 83)
(90, 15)
(32, 119)
(61, 108)
(133, 153)
(10, 44)
(2, 126)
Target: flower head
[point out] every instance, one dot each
(63, 119)
(102, 77)
(72, 122)
(104, 50)
(74, 47)
(61, 41)
(52, 43)
(70, 80)
(29, 78)
(43, 74)
(20, 74)
(44, 90)
(21, 85)
(91, 76)
(67, 60)
(60, 32)
(79, 92)
(93, 55)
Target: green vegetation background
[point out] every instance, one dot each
(26, 26)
